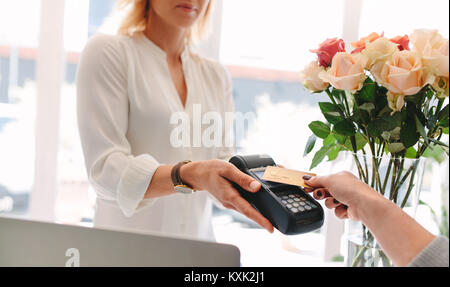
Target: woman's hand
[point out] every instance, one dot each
(342, 191)
(216, 176)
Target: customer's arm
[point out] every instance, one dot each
(400, 236)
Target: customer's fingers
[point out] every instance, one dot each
(331, 203)
(247, 182)
(245, 208)
(314, 181)
(341, 212)
(321, 193)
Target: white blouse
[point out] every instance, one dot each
(125, 101)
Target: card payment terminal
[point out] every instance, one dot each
(289, 208)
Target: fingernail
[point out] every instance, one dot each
(306, 177)
(319, 193)
(254, 185)
(335, 201)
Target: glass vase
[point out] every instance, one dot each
(398, 179)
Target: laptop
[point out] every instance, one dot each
(31, 243)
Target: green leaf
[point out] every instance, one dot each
(444, 123)
(408, 134)
(320, 129)
(411, 153)
(444, 113)
(387, 123)
(435, 152)
(393, 135)
(345, 128)
(359, 140)
(334, 152)
(421, 129)
(368, 107)
(340, 138)
(331, 112)
(320, 155)
(310, 144)
(395, 147)
(367, 93)
(330, 139)
(445, 131)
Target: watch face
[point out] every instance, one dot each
(183, 189)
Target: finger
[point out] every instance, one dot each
(331, 203)
(281, 166)
(245, 208)
(341, 212)
(314, 181)
(321, 193)
(243, 180)
(308, 189)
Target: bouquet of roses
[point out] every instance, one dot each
(387, 101)
(383, 94)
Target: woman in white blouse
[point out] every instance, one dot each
(129, 87)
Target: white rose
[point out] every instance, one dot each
(379, 50)
(310, 77)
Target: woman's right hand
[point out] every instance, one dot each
(215, 176)
(344, 192)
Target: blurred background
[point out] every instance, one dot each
(263, 43)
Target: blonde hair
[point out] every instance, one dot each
(136, 18)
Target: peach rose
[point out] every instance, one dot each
(379, 50)
(402, 42)
(402, 75)
(346, 72)
(434, 50)
(328, 49)
(424, 40)
(361, 43)
(310, 77)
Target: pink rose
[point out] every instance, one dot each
(402, 42)
(346, 72)
(361, 43)
(328, 49)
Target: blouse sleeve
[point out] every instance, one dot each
(102, 108)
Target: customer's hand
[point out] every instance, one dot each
(215, 176)
(342, 191)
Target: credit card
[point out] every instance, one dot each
(286, 176)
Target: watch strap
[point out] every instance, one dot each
(175, 173)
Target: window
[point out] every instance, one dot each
(402, 17)
(265, 44)
(19, 38)
(74, 204)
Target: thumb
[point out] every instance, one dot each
(243, 180)
(314, 181)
